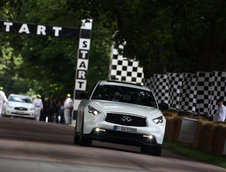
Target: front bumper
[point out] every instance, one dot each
(119, 137)
(18, 113)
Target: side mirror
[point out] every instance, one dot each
(84, 95)
(163, 106)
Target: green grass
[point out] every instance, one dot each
(196, 154)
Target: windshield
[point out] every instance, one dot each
(124, 94)
(21, 99)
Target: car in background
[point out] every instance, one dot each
(19, 106)
(121, 113)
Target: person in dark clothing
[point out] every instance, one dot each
(55, 110)
(50, 110)
(44, 110)
(61, 111)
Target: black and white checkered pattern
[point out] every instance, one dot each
(175, 89)
(148, 82)
(218, 90)
(160, 86)
(195, 93)
(189, 93)
(204, 95)
(123, 69)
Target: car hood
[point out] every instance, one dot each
(19, 104)
(127, 108)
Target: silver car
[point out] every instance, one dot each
(121, 113)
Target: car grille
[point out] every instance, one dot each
(21, 108)
(118, 119)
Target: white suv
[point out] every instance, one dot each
(121, 113)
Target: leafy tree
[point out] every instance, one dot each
(52, 61)
(165, 36)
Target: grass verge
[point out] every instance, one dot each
(196, 154)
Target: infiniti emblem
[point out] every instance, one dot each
(126, 119)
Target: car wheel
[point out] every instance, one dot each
(152, 150)
(84, 140)
(76, 138)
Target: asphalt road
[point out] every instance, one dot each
(30, 146)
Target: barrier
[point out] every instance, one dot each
(224, 151)
(188, 130)
(198, 133)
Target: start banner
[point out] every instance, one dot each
(42, 30)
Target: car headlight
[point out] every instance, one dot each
(158, 120)
(32, 108)
(8, 106)
(93, 110)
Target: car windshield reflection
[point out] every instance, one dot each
(20, 99)
(125, 95)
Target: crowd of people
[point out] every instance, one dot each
(53, 110)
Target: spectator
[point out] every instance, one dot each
(51, 110)
(221, 112)
(44, 116)
(68, 104)
(38, 107)
(2, 99)
(55, 108)
(61, 111)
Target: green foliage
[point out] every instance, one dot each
(50, 63)
(168, 36)
(165, 36)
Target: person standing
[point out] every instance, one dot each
(2, 99)
(38, 107)
(68, 105)
(221, 112)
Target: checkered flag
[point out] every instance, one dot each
(218, 90)
(189, 93)
(123, 69)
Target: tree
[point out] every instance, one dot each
(52, 61)
(165, 36)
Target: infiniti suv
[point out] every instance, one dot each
(121, 113)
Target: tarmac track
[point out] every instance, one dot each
(27, 145)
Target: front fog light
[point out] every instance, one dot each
(150, 137)
(99, 130)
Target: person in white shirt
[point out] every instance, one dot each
(68, 105)
(38, 107)
(221, 112)
(2, 99)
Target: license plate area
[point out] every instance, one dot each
(125, 129)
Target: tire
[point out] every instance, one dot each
(155, 150)
(84, 140)
(76, 138)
